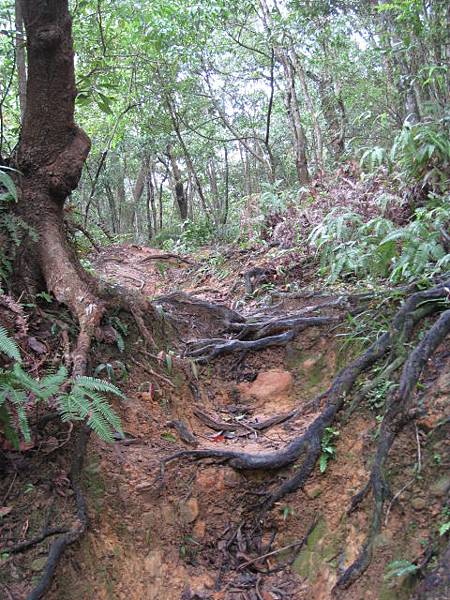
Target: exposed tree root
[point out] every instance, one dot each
(47, 532)
(210, 351)
(255, 335)
(398, 410)
(58, 547)
(265, 328)
(436, 585)
(185, 303)
(252, 425)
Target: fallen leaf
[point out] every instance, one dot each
(36, 345)
(5, 510)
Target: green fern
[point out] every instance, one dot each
(400, 568)
(84, 401)
(8, 346)
(348, 247)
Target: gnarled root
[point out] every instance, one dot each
(398, 412)
(308, 445)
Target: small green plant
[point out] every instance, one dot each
(399, 568)
(444, 526)
(29, 487)
(114, 371)
(328, 448)
(437, 458)
(421, 152)
(78, 399)
(287, 510)
(377, 396)
(121, 330)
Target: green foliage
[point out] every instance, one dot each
(10, 193)
(421, 153)
(349, 247)
(444, 526)
(328, 448)
(190, 236)
(78, 399)
(85, 401)
(373, 157)
(8, 346)
(399, 568)
(376, 397)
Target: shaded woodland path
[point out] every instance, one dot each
(255, 518)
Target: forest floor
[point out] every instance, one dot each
(183, 534)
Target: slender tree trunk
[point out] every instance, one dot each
(21, 59)
(187, 156)
(299, 70)
(153, 184)
(140, 181)
(112, 208)
(214, 188)
(293, 112)
(180, 195)
(160, 201)
(50, 156)
(149, 204)
(227, 188)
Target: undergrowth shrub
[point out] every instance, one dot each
(349, 247)
(420, 155)
(192, 235)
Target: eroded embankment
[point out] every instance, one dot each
(194, 534)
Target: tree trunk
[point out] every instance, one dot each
(21, 59)
(300, 71)
(291, 100)
(293, 111)
(227, 188)
(112, 208)
(178, 186)
(50, 156)
(150, 206)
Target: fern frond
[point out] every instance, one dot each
(25, 380)
(8, 346)
(99, 425)
(100, 405)
(97, 385)
(23, 423)
(51, 383)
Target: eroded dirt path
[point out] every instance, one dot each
(186, 536)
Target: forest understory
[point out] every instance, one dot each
(268, 452)
(225, 300)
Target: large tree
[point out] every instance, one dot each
(50, 157)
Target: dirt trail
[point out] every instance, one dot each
(186, 536)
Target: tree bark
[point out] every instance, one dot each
(50, 156)
(227, 188)
(150, 206)
(180, 195)
(21, 59)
